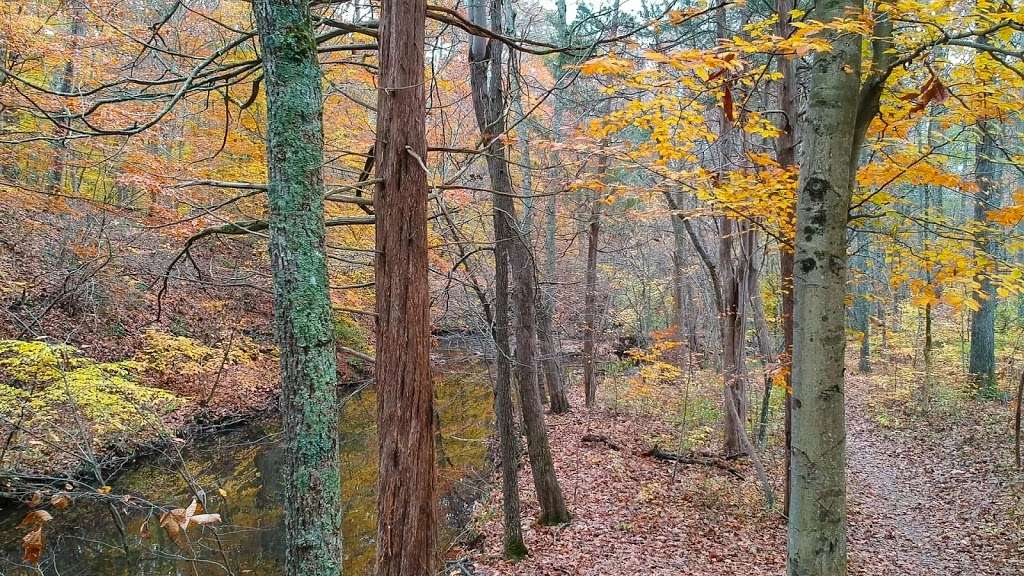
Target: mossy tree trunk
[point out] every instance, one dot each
(302, 311)
(406, 506)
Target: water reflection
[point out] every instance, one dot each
(241, 474)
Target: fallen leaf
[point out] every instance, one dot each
(34, 518)
(32, 546)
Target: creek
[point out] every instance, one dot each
(241, 473)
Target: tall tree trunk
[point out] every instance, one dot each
(764, 341)
(590, 292)
(514, 546)
(550, 365)
(489, 105)
(64, 84)
(407, 517)
(817, 512)
(302, 308)
(982, 366)
(786, 155)
(733, 268)
(497, 319)
(861, 312)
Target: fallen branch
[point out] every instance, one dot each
(658, 454)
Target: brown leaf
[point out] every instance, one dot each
(37, 499)
(727, 105)
(35, 518)
(32, 546)
(60, 501)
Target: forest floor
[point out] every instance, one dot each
(930, 492)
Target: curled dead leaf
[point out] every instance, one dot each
(206, 519)
(32, 546)
(60, 501)
(35, 518)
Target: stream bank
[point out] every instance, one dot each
(240, 472)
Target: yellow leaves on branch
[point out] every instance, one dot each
(607, 65)
(1011, 215)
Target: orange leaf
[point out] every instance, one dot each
(727, 103)
(32, 546)
(35, 518)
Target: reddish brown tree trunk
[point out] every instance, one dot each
(407, 519)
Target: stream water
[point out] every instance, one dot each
(241, 472)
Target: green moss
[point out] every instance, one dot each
(53, 392)
(167, 354)
(297, 43)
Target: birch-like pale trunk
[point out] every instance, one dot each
(817, 512)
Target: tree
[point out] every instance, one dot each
(982, 366)
(510, 244)
(817, 510)
(302, 309)
(406, 514)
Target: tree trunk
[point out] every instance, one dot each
(489, 105)
(733, 269)
(786, 155)
(514, 546)
(861, 312)
(590, 292)
(302, 309)
(61, 151)
(549, 363)
(982, 366)
(817, 513)
(406, 508)
(497, 319)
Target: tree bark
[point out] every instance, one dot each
(302, 310)
(61, 151)
(590, 292)
(817, 513)
(549, 363)
(734, 268)
(982, 366)
(861, 311)
(489, 105)
(786, 155)
(406, 508)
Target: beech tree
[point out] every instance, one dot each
(982, 365)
